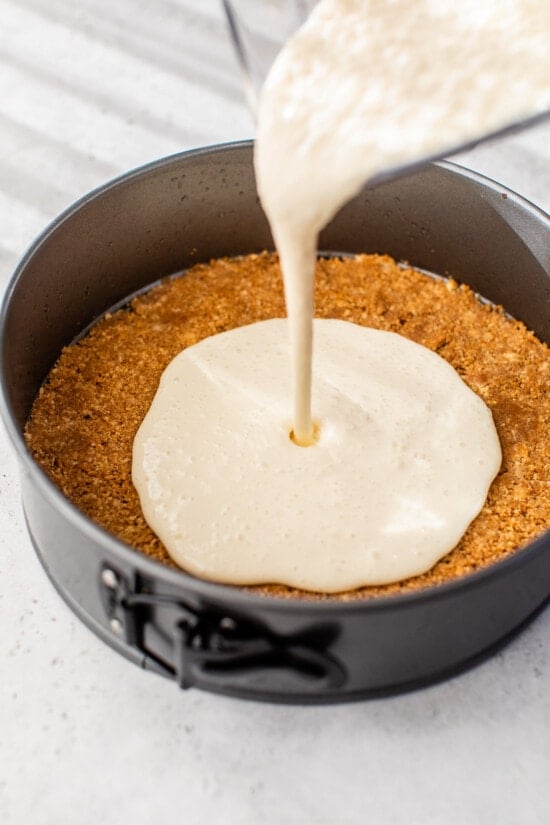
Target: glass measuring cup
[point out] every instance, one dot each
(259, 29)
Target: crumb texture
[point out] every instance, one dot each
(85, 417)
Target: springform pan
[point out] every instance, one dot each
(191, 207)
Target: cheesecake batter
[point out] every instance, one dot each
(404, 456)
(396, 460)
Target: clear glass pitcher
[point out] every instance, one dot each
(259, 30)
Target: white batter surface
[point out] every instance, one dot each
(405, 456)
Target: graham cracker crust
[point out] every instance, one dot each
(84, 419)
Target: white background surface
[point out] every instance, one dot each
(88, 89)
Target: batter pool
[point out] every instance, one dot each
(402, 463)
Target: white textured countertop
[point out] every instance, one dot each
(88, 89)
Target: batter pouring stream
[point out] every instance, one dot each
(369, 85)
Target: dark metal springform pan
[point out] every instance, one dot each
(191, 207)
